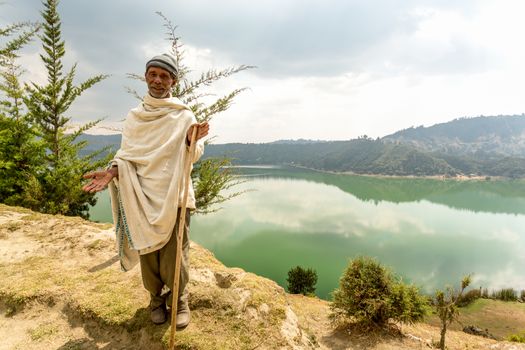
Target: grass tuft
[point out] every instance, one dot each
(43, 331)
(517, 338)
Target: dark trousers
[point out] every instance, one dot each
(158, 267)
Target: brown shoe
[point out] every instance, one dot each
(183, 315)
(158, 314)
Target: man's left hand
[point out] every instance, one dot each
(202, 131)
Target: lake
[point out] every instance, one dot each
(430, 232)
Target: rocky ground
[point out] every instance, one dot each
(61, 288)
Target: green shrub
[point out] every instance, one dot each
(407, 304)
(301, 281)
(518, 338)
(371, 295)
(505, 294)
(522, 295)
(469, 297)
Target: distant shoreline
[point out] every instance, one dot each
(430, 177)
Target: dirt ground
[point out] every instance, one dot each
(51, 323)
(55, 327)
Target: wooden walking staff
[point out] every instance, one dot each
(182, 222)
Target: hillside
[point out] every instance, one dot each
(482, 146)
(96, 142)
(361, 156)
(366, 156)
(481, 137)
(61, 288)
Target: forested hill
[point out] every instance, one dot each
(483, 146)
(367, 156)
(362, 156)
(96, 142)
(481, 137)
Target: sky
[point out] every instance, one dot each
(326, 70)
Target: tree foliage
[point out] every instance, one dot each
(371, 296)
(213, 177)
(20, 151)
(301, 281)
(17, 35)
(58, 186)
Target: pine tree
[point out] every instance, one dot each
(8, 50)
(60, 182)
(19, 148)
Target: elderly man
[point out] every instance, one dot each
(146, 184)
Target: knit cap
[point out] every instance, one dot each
(164, 61)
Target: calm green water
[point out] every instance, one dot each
(431, 232)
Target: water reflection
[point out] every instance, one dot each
(290, 221)
(474, 195)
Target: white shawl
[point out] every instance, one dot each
(148, 192)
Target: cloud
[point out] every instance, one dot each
(295, 38)
(503, 234)
(326, 70)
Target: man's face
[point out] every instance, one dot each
(159, 82)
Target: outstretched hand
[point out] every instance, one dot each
(202, 131)
(100, 180)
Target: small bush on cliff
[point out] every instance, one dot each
(517, 338)
(371, 296)
(301, 281)
(446, 305)
(469, 297)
